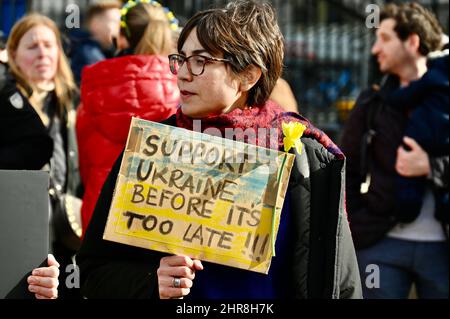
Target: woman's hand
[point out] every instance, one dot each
(413, 163)
(176, 275)
(43, 282)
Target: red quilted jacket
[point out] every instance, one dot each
(112, 91)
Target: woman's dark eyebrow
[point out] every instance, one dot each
(199, 51)
(195, 52)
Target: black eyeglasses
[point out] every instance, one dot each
(196, 66)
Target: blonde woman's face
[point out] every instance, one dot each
(37, 55)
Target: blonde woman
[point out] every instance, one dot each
(137, 83)
(44, 82)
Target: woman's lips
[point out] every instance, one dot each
(186, 94)
(42, 66)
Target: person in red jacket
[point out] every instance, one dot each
(137, 83)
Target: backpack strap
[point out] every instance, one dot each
(373, 105)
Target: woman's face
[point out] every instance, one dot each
(37, 55)
(216, 91)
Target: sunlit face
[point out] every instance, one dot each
(112, 21)
(390, 51)
(216, 91)
(37, 55)
(106, 26)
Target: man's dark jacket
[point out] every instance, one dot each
(373, 214)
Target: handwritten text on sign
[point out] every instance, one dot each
(184, 192)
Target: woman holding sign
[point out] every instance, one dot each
(227, 64)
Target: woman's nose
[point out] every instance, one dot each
(42, 50)
(184, 72)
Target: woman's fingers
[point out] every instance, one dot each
(168, 282)
(168, 291)
(51, 261)
(46, 282)
(51, 271)
(180, 267)
(410, 142)
(412, 163)
(176, 272)
(43, 293)
(176, 261)
(183, 269)
(172, 293)
(198, 264)
(177, 266)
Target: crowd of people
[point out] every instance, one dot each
(68, 111)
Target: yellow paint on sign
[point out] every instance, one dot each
(184, 192)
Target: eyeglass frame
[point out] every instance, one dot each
(207, 60)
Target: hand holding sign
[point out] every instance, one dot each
(202, 196)
(173, 268)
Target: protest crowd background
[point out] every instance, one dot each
(329, 60)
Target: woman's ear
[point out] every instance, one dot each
(249, 77)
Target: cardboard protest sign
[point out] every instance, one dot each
(24, 225)
(184, 192)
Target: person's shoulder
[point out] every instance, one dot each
(373, 91)
(80, 39)
(323, 148)
(129, 65)
(376, 94)
(314, 139)
(11, 100)
(438, 68)
(84, 51)
(171, 121)
(128, 72)
(118, 65)
(111, 69)
(314, 156)
(153, 64)
(16, 114)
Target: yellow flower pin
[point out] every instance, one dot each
(292, 132)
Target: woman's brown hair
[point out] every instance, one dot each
(247, 33)
(65, 86)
